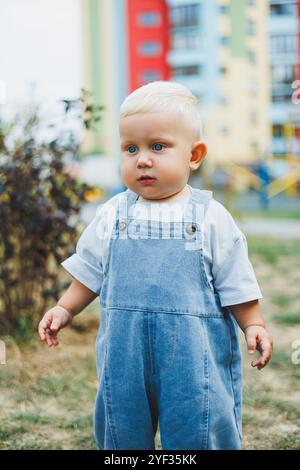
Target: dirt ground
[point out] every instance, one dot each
(47, 395)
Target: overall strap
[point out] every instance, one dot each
(131, 197)
(126, 201)
(195, 210)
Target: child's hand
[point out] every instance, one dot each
(53, 320)
(258, 338)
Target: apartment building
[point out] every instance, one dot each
(283, 28)
(218, 48)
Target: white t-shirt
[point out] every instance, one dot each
(225, 248)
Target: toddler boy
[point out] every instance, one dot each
(172, 272)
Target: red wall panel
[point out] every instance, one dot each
(140, 64)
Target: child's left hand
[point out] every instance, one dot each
(257, 337)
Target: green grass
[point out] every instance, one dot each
(287, 409)
(47, 395)
(32, 417)
(281, 300)
(248, 418)
(11, 430)
(289, 442)
(271, 249)
(281, 358)
(288, 318)
(276, 406)
(271, 214)
(255, 400)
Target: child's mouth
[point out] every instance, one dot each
(146, 180)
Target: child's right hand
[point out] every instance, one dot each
(53, 320)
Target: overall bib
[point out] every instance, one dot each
(166, 350)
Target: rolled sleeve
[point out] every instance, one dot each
(85, 265)
(235, 280)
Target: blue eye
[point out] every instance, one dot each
(158, 145)
(131, 147)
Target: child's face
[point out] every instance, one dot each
(158, 145)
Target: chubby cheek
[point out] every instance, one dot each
(126, 169)
(173, 168)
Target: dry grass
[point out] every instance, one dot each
(271, 418)
(47, 395)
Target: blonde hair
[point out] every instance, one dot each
(161, 96)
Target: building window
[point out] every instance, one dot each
(150, 48)
(223, 70)
(277, 130)
(185, 15)
(186, 39)
(186, 70)
(284, 44)
(224, 9)
(282, 97)
(224, 40)
(251, 56)
(150, 75)
(149, 18)
(283, 74)
(279, 9)
(250, 27)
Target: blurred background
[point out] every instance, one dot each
(65, 68)
(239, 57)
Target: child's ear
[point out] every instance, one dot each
(198, 151)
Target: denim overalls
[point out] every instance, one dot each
(166, 350)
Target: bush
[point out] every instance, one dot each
(39, 212)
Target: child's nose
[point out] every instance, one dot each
(144, 160)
